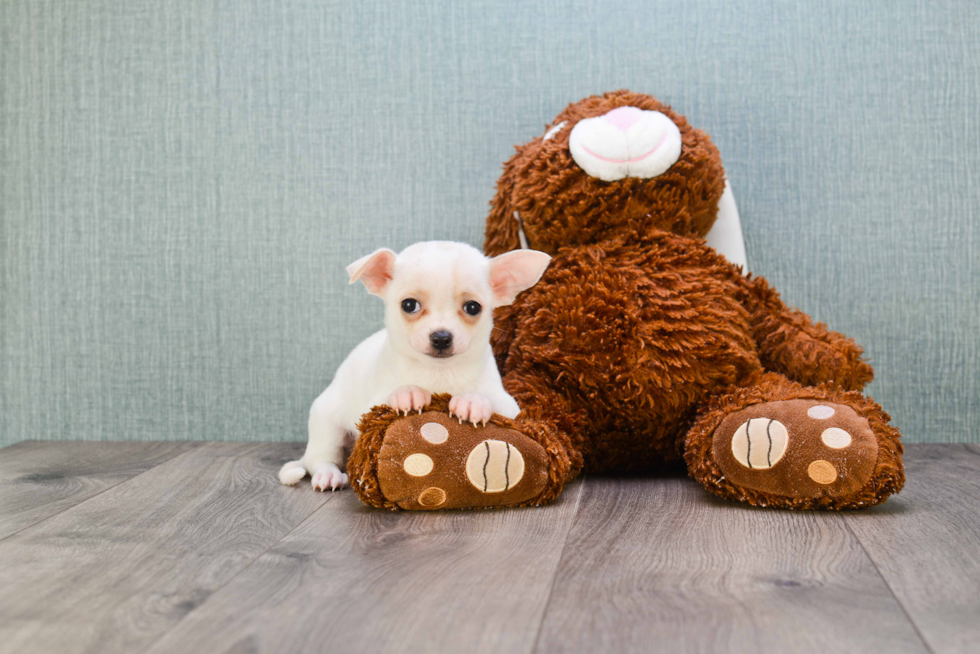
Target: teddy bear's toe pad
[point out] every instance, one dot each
(431, 461)
(796, 448)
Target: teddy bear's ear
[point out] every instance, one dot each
(513, 272)
(503, 226)
(375, 270)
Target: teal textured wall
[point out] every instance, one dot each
(182, 183)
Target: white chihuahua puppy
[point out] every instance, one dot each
(439, 300)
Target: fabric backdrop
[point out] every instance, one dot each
(182, 183)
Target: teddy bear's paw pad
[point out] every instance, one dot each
(431, 461)
(796, 448)
(769, 438)
(494, 466)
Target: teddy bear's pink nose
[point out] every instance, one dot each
(624, 117)
(625, 142)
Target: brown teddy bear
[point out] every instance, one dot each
(641, 348)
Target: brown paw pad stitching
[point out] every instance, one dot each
(796, 448)
(760, 445)
(494, 466)
(430, 461)
(432, 497)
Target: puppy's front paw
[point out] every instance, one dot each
(471, 407)
(329, 476)
(409, 398)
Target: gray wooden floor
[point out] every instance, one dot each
(167, 547)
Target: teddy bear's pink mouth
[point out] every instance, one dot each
(634, 160)
(619, 134)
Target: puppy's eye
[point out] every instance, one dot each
(410, 305)
(472, 308)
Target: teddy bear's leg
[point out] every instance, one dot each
(777, 443)
(789, 342)
(432, 461)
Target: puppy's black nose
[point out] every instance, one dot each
(441, 339)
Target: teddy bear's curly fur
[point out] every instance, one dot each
(641, 348)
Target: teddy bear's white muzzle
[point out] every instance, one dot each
(626, 142)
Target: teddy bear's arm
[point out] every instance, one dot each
(504, 329)
(807, 352)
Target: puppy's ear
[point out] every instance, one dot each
(375, 270)
(513, 272)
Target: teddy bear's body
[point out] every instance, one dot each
(641, 346)
(636, 335)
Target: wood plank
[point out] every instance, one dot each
(116, 572)
(660, 563)
(39, 479)
(926, 544)
(355, 579)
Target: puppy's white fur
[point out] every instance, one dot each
(400, 365)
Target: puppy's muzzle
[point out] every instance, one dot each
(442, 343)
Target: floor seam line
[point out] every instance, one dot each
(561, 556)
(230, 579)
(891, 591)
(104, 490)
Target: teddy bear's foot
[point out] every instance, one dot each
(776, 443)
(796, 449)
(432, 461)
